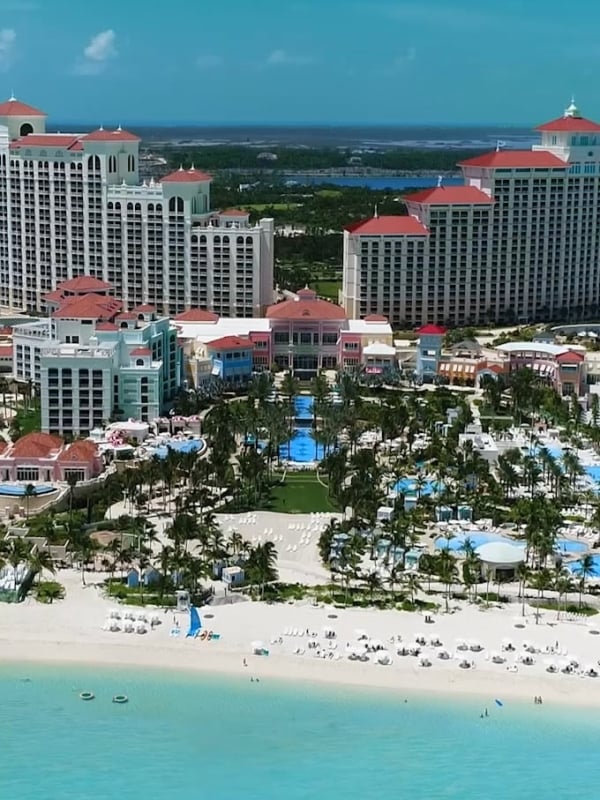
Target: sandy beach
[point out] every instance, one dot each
(70, 631)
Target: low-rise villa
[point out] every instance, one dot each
(42, 457)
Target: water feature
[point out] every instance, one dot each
(179, 446)
(302, 447)
(18, 489)
(199, 735)
(409, 486)
(575, 567)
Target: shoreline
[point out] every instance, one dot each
(482, 685)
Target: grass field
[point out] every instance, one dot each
(328, 193)
(274, 206)
(328, 289)
(300, 493)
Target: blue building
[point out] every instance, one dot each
(429, 351)
(231, 358)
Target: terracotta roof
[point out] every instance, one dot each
(141, 351)
(388, 226)
(119, 135)
(106, 326)
(54, 297)
(88, 306)
(83, 283)
(144, 309)
(515, 158)
(450, 195)
(81, 450)
(234, 212)
(14, 108)
(186, 176)
(6, 350)
(64, 140)
(305, 307)
(196, 315)
(432, 330)
(375, 318)
(571, 355)
(127, 315)
(3, 446)
(36, 445)
(230, 343)
(570, 123)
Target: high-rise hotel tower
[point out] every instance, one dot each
(519, 241)
(72, 204)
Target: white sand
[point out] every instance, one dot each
(70, 631)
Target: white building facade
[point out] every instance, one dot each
(72, 204)
(519, 241)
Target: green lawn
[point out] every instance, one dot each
(328, 193)
(328, 289)
(301, 493)
(274, 206)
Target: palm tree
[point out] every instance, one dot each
(587, 569)
(523, 574)
(262, 565)
(447, 573)
(412, 586)
(15, 551)
(373, 583)
(41, 560)
(28, 494)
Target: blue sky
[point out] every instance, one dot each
(295, 61)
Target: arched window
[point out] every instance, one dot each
(240, 240)
(248, 240)
(123, 325)
(158, 208)
(25, 129)
(176, 204)
(117, 206)
(112, 163)
(150, 206)
(138, 206)
(217, 240)
(194, 239)
(131, 163)
(110, 206)
(226, 240)
(203, 239)
(129, 206)
(94, 163)
(139, 362)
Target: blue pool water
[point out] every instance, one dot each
(477, 538)
(594, 473)
(303, 407)
(180, 446)
(302, 447)
(198, 736)
(570, 548)
(18, 489)
(575, 567)
(409, 486)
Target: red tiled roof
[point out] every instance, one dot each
(571, 355)
(230, 343)
(388, 226)
(36, 445)
(432, 330)
(54, 297)
(450, 195)
(141, 351)
(196, 315)
(106, 326)
(64, 140)
(77, 146)
(306, 293)
(375, 318)
(569, 123)
(83, 283)
(14, 108)
(305, 307)
(234, 212)
(81, 451)
(88, 306)
(111, 136)
(144, 309)
(127, 315)
(515, 158)
(186, 176)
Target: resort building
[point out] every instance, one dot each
(562, 367)
(93, 362)
(40, 457)
(517, 242)
(73, 205)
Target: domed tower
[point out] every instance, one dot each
(21, 119)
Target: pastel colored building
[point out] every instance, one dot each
(231, 358)
(429, 351)
(305, 333)
(562, 367)
(41, 457)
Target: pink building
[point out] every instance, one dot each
(45, 458)
(563, 367)
(305, 333)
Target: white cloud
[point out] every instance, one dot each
(209, 61)
(96, 55)
(283, 58)
(8, 37)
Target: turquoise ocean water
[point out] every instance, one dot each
(195, 736)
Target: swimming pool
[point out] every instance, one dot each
(179, 446)
(18, 489)
(569, 548)
(593, 472)
(303, 407)
(302, 447)
(476, 538)
(575, 567)
(409, 486)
